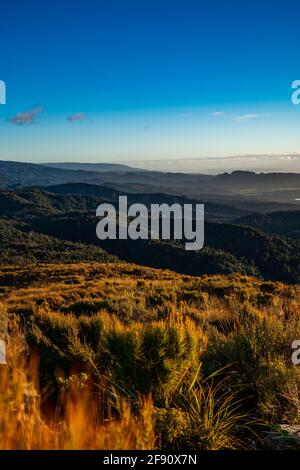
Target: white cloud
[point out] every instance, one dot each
(248, 117)
(218, 113)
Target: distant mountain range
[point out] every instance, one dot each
(245, 190)
(14, 174)
(101, 167)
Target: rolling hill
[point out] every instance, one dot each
(71, 218)
(100, 167)
(281, 222)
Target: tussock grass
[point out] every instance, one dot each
(132, 357)
(23, 425)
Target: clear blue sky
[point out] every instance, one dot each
(136, 79)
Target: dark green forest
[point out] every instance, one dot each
(59, 225)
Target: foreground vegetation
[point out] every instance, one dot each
(115, 356)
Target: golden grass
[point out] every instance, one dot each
(148, 344)
(23, 425)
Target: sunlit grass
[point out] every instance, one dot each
(118, 356)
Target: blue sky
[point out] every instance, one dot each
(121, 80)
